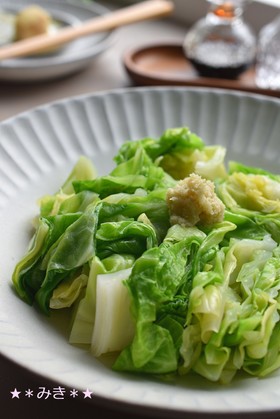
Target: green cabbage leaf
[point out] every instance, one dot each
(164, 299)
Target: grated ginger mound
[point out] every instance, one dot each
(193, 200)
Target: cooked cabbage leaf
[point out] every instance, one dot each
(179, 152)
(167, 299)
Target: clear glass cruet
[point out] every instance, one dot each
(221, 44)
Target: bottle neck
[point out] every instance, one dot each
(225, 11)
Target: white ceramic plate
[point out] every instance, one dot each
(37, 151)
(73, 57)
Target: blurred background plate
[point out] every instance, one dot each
(37, 151)
(73, 57)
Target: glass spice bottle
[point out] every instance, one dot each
(221, 44)
(268, 56)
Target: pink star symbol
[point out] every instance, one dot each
(87, 394)
(15, 394)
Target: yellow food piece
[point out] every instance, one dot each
(32, 21)
(193, 200)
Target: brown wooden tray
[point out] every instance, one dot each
(166, 64)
